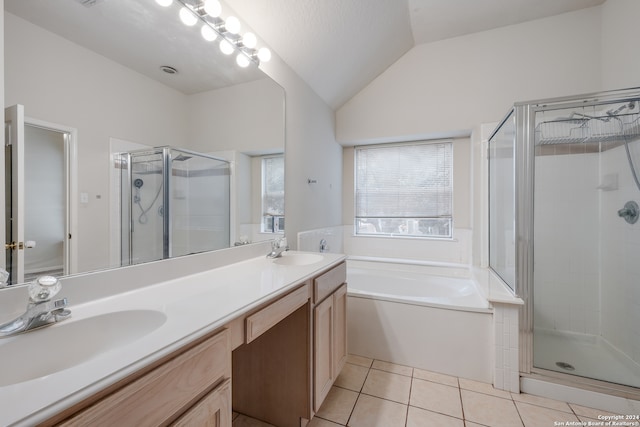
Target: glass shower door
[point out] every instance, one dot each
(199, 203)
(585, 280)
(502, 228)
(142, 200)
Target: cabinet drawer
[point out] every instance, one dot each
(213, 410)
(155, 398)
(260, 322)
(330, 281)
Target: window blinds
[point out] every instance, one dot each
(407, 181)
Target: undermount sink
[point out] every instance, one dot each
(298, 259)
(52, 349)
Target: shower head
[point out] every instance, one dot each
(138, 183)
(181, 158)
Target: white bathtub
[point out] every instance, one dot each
(430, 317)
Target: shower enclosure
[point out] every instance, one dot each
(173, 202)
(563, 194)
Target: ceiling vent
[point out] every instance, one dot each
(89, 3)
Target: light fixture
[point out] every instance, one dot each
(242, 60)
(212, 8)
(226, 47)
(249, 40)
(232, 24)
(208, 13)
(187, 17)
(208, 33)
(264, 54)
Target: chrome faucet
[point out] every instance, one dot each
(277, 247)
(41, 310)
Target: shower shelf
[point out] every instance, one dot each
(577, 130)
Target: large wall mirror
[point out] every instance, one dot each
(128, 112)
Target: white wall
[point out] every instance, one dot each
(620, 246)
(44, 200)
(567, 238)
(311, 153)
(620, 62)
(454, 85)
(255, 123)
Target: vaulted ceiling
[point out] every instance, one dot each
(339, 46)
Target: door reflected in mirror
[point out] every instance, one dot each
(98, 70)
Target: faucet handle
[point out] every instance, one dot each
(60, 303)
(59, 311)
(44, 288)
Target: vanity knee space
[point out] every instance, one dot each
(283, 375)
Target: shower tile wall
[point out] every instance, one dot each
(620, 251)
(567, 240)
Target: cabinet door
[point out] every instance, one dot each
(323, 319)
(339, 329)
(213, 410)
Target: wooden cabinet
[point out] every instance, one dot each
(330, 342)
(169, 390)
(323, 333)
(329, 332)
(340, 328)
(213, 410)
(260, 322)
(276, 363)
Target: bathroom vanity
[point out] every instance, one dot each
(265, 337)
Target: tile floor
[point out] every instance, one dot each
(370, 393)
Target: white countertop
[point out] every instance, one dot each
(194, 305)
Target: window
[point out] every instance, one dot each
(273, 194)
(404, 189)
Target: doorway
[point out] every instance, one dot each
(38, 186)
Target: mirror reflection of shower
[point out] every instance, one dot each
(137, 199)
(173, 202)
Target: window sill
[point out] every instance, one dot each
(403, 237)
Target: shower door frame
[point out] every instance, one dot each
(524, 212)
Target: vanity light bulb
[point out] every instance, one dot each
(187, 17)
(212, 8)
(249, 40)
(164, 3)
(242, 60)
(264, 54)
(208, 33)
(232, 24)
(226, 47)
